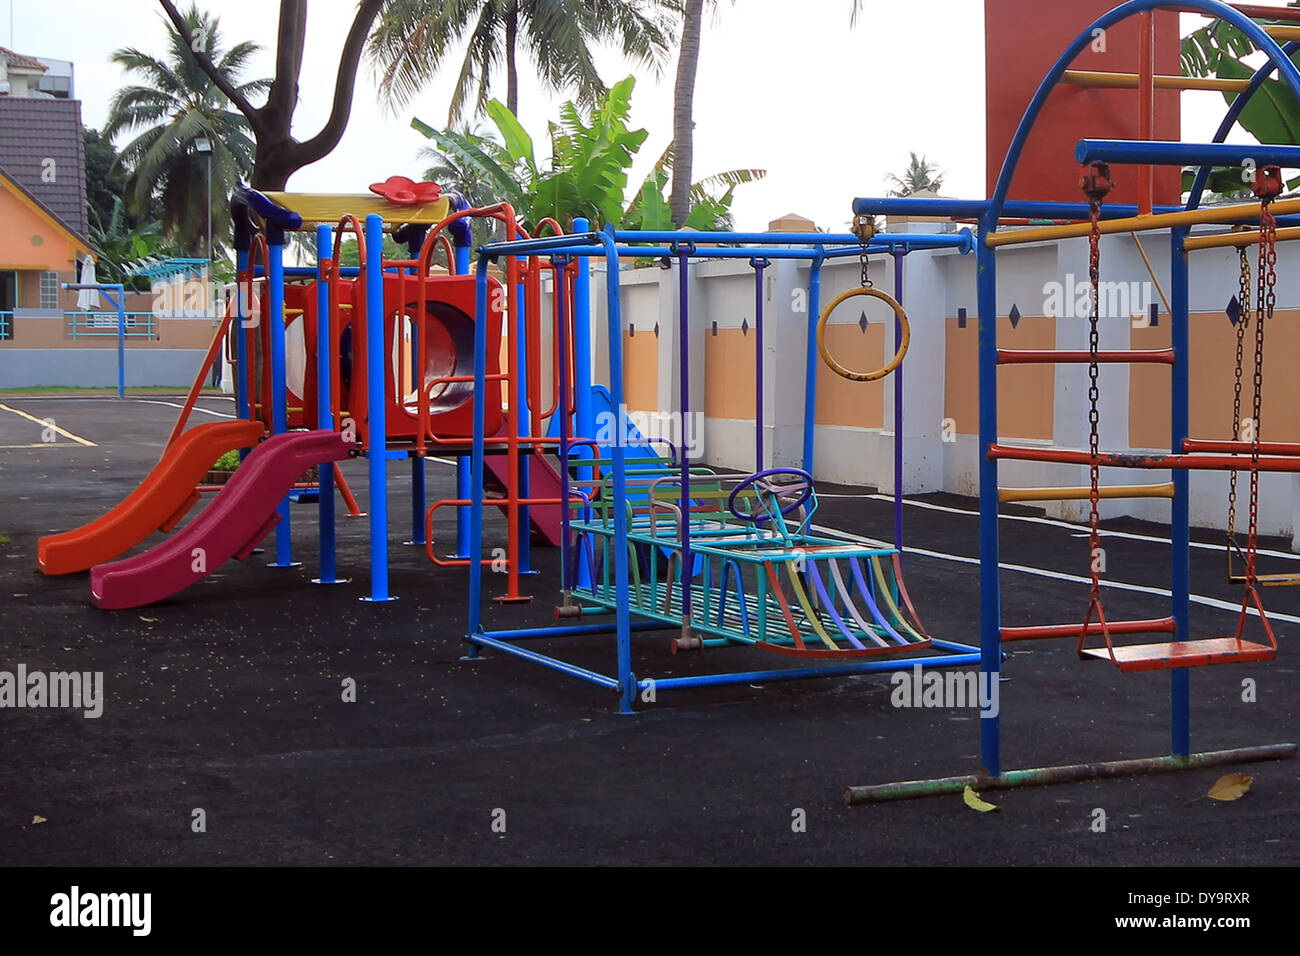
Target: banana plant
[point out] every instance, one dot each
(1272, 115)
(587, 171)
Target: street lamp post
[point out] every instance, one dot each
(203, 146)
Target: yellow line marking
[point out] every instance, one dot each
(47, 424)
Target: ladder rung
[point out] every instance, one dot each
(1242, 447)
(1056, 357)
(1081, 492)
(1159, 625)
(1110, 459)
(1129, 81)
(1166, 656)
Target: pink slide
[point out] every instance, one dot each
(231, 526)
(543, 482)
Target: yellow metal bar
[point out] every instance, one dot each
(1152, 272)
(887, 595)
(1283, 34)
(1188, 217)
(1237, 239)
(329, 208)
(1129, 81)
(1165, 490)
(808, 611)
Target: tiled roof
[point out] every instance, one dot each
(40, 140)
(23, 62)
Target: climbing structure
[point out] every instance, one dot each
(1179, 646)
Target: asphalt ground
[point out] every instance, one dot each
(229, 698)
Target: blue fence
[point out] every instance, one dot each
(6, 325)
(86, 325)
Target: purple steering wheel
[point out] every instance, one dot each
(793, 494)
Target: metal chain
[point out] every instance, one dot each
(1243, 320)
(1265, 301)
(1094, 416)
(866, 271)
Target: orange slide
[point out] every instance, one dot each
(158, 504)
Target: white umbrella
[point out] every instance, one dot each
(87, 299)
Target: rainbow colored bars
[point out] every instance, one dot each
(756, 576)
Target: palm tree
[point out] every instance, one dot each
(175, 105)
(688, 59)
(921, 175)
(412, 38)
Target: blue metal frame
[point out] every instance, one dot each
(611, 245)
(990, 212)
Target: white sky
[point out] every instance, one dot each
(783, 85)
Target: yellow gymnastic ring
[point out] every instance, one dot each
(839, 369)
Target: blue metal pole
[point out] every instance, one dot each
(618, 456)
(898, 413)
(325, 411)
(121, 344)
(1171, 153)
(1180, 518)
(476, 457)
(376, 407)
(687, 564)
(462, 461)
(810, 365)
(279, 391)
(990, 591)
(241, 385)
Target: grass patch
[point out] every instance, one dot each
(4, 539)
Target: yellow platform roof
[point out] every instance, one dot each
(329, 208)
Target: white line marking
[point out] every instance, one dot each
(1063, 576)
(49, 424)
(197, 408)
(1069, 526)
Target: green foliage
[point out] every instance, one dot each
(350, 253)
(121, 240)
(4, 539)
(174, 105)
(919, 176)
(229, 461)
(587, 173)
(1272, 115)
(413, 38)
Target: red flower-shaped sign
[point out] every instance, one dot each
(406, 192)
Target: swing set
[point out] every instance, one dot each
(1177, 651)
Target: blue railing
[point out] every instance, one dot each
(6, 325)
(86, 325)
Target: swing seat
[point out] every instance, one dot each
(1168, 655)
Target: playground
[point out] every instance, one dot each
(230, 701)
(924, 538)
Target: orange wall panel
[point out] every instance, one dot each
(855, 404)
(729, 375)
(641, 371)
(1025, 392)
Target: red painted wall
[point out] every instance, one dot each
(1022, 39)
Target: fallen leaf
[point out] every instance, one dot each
(149, 620)
(975, 803)
(1231, 786)
(37, 819)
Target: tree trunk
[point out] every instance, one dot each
(512, 52)
(688, 59)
